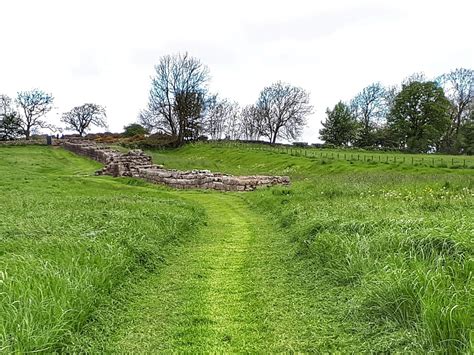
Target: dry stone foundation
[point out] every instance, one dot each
(135, 163)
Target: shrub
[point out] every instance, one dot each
(134, 129)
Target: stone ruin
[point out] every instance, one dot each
(135, 163)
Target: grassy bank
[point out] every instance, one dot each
(69, 238)
(395, 240)
(252, 159)
(348, 155)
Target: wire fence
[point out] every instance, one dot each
(429, 160)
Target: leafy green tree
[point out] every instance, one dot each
(10, 125)
(385, 137)
(340, 126)
(134, 129)
(419, 116)
(466, 136)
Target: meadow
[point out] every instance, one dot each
(353, 155)
(395, 240)
(354, 256)
(69, 238)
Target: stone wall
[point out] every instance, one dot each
(135, 163)
(102, 154)
(204, 179)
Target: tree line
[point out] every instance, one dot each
(420, 115)
(181, 105)
(26, 114)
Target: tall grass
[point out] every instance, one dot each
(396, 241)
(405, 263)
(67, 239)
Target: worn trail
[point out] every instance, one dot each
(228, 289)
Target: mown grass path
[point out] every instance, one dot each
(230, 288)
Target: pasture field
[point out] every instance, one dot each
(353, 155)
(354, 256)
(68, 238)
(396, 241)
(242, 158)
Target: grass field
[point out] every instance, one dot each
(353, 155)
(68, 239)
(396, 240)
(355, 256)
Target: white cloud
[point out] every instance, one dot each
(104, 51)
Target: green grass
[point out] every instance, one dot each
(257, 159)
(348, 155)
(396, 241)
(234, 287)
(68, 239)
(353, 257)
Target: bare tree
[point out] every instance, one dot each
(33, 105)
(369, 107)
(177, 78)
(233, 128)
(418, 76)
(150, 121)
(391, 93)
(216, 113)
(250, 124)
(458, 86)
(222, 118)
(5, 105)
(282, 110)
(81, 118)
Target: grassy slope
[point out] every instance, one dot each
(219, 157)
(68, 238)
(395, 240)
(333, 157)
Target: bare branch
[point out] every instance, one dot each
(81, 118)
(33, 105)
(282, 110)
(179, 80)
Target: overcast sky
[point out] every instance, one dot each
(104, 51)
